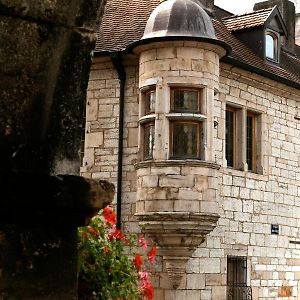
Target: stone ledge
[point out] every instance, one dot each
(31, 199)
(177, 163)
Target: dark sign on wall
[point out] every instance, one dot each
(274, 229)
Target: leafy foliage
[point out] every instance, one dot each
(106, 272)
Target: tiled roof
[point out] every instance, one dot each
(289, 69)
(124, 22)
(249, 20)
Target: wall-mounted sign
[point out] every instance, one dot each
(274, 229)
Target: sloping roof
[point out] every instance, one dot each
(249, 20)
(243, 56)
(124, 21)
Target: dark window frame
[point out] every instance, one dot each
(234, 144)
(237, 264)
(172, 94)
(198, 142)
(252, 160)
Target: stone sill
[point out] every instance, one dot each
(177, 163)
(246, 174)
(147, 118)
(186, 116)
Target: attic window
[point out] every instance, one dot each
(272, 46)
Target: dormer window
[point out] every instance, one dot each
(272, 46)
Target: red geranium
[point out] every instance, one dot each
(148, 291)
(142, 242)
(109, 215)
(138, 261)
(93, 230)
(152, 254)
(117, 234)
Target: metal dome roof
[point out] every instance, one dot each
(184, 18)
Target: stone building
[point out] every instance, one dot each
(193, 112)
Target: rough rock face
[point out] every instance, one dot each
(45, 61)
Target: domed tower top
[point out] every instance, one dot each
(182, 18)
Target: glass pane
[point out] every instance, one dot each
(185, 140)
(270, 46)
(237, 271)
(250, 141)
(186, 100)
(150, 102)
(148, 141)
(229, 153)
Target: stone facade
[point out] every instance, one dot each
(248, 203)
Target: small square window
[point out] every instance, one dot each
(185, 100)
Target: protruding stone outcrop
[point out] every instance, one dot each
(45, 56)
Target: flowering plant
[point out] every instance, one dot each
(112, 265)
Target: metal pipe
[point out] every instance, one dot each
(117, 62)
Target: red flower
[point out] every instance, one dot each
(109, 215)
(93, 230)
(117, 234)
(148, 291)
(151, 254)
(138, 261)
(142, 242)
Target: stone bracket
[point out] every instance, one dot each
(177, 236)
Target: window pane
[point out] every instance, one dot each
(250, 142)
(186, 100)
(270, 46)
(237, 270)
(150, 102)
(185, 140)
(148, 141)
(230, 138)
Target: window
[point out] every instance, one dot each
(147, 122)
(185, 123)
(185, 100)
(185, 139)
(251, 141)
(150, 99)
(271, 46)
(148, 140)
(230, 130)
(237, 288)
(241, 139)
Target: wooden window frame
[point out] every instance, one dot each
(234, 111)
(235, 261)
(172, 92)
(254, 141)
(199, 133)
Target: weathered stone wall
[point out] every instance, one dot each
(101, 143)
(45, 56)
(248, 203)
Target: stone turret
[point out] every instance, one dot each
(177, 190)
